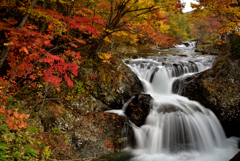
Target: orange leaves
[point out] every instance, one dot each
(51, 27)
(73, 45)
(161, 39)
(80, 41)
(103, 5)
(15, 120)
(109, 144)
(24, 49)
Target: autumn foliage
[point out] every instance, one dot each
(44, 44)
(220, 17)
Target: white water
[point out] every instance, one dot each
(177, 129)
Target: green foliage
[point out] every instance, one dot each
(79, 88)
(46, 153)
(16, 145)
(179, 27)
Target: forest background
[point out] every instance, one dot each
(45, 43)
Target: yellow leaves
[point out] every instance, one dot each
(6, 44)
(69, 98)
(9, 43)
(121, 34)
(107, 40)
(105, 57)
(109, 31)
(220, 42)
(55, 24)
(39, 85)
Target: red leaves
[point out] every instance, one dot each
(85, 24)
(50, 78)
(69, 81)
(27, 59)
(50, 59)
(92, 76)
(59, 66)
(73, 54)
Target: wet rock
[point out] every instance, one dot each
(186, 43)
(177, 86)
(168, 108)
(138, 109)
(121, 156)
(152, 75)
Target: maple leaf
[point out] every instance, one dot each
(69, 81)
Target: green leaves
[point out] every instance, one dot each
(41, 145)
(15, 145)
(31, 152)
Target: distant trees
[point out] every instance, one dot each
(221, 19)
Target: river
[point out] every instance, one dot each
(177, 129)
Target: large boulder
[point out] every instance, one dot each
(138, 109)
(219, 90)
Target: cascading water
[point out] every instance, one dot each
(177, 129)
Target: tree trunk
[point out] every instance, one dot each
(45, 22)
(71, 9)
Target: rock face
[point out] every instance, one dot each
(92, 131)
(138, 109)
(219, 90)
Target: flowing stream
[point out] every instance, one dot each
(177, 129)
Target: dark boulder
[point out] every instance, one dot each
(138, 109)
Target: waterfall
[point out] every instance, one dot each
(176, 125)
